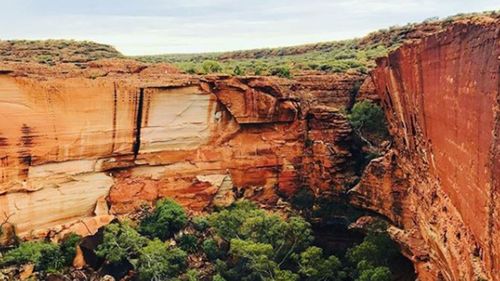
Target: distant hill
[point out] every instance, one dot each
(55, 51)
(356, 55)
(338, 56)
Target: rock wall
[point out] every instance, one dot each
(440, 183)
(83, 146)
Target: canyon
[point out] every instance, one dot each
(83, 144)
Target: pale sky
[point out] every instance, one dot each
(138, 27)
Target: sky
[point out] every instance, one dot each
(140, 27)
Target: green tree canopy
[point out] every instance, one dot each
(167, 218)
(121, 242)
(157, 262)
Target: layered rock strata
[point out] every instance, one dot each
(439, 185)
(81, 141)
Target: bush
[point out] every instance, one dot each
(168, 218)
(211, 249)
(157, 262)
(201, 223)
(210, 66)
(44, 255)
(237, 71)
(188, 243)
(218, 277)
(68, 247)
(191, 275)
(52, 260)
(121, 242)
(283, 72)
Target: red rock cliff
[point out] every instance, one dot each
(440, 184)
(76, 142)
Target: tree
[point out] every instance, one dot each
(245, 221)
(261, 243)
(314, 267)
(254, 257)
(157, 262)
(377, 249)
(167, 218)
(120, 243)
(227, 222)
(285, 275)
(367, 118)
(370, 273)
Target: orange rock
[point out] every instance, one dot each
(440, 185)
(79, 260)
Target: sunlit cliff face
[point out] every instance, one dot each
(77, 150)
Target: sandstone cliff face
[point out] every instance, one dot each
(76, 152)
(440, 183)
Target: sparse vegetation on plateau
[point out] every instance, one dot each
(327, 57)
(55, 51)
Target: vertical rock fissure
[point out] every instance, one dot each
(115, 107)
(138, 123)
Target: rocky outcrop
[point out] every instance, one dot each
(83, 144)
(132, 134)
(439, 185)
(55, 51)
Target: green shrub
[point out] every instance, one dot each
(68, 247)
(210, 66)
(120, 243)
(44, 255)
(253, 258)
(52, 260)
(167, 218)
(218, 277)
(283, 72)
(237, 71)
(192, 275)
(188, 243)
(211, 249)
(157, 262)
(200, 223)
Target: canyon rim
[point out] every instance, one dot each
(87, 141)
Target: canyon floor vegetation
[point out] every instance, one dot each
(241, 242)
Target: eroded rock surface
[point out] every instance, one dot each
(440, 183)
(133, 135)
(81, 145)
